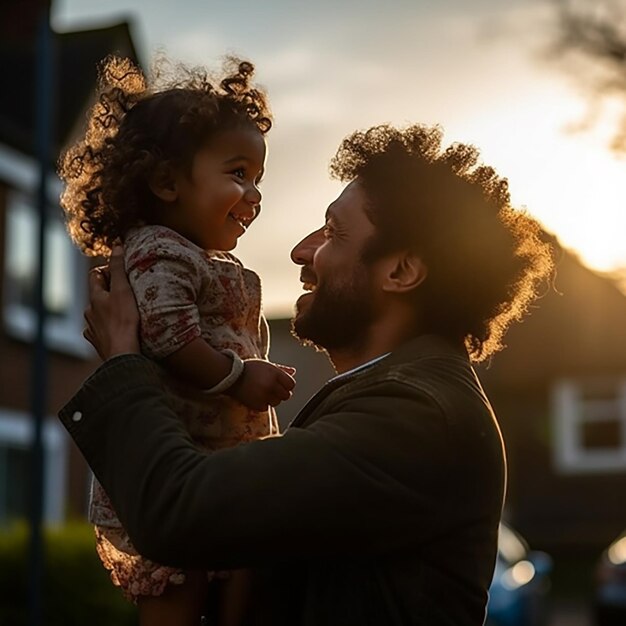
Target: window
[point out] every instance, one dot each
(64, 289)
(15, 441)
(590, 425)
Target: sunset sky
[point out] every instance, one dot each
(476, 67)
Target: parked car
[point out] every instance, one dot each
(520, 585)
(610, 589)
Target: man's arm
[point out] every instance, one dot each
(355, 482)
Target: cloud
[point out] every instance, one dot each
(196, 46)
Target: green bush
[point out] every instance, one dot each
(77, 590)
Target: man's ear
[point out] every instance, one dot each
(163, 183)
(404, 272)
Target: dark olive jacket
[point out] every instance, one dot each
(379, 505)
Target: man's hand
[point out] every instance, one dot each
(112, 316)
(263, 384)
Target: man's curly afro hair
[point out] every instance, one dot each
(485, 260)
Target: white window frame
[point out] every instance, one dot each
(64, 334)
(16, 429)
(570, 412)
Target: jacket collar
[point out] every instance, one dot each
(419, 347)
(427, 346)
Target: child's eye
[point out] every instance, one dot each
(240, 172)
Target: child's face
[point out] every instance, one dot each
(219, 199)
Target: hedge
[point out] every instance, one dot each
(76, 588)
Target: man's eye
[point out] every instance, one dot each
(327, 231)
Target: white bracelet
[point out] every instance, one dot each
(231, 378)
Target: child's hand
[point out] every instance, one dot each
(263, 384)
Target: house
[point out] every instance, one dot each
(70, 359)
(559, 390)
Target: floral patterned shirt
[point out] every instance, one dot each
(184, 292)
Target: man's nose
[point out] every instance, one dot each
(303, 252)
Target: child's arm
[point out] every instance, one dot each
(164, 273)
(260, 384)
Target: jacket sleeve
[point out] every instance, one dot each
(358, 481)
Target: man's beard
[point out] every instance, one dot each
(339, 316)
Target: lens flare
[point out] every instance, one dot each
(617, 552)
(518, 575)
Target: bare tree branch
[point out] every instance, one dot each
(591, 43)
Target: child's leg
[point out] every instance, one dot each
(233, 598)
(178, 605)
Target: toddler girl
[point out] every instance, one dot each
(174, 173)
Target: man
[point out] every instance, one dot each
(381, 502)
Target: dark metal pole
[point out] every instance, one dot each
(39, 365)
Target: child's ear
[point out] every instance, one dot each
(405, 271)
(163, 183)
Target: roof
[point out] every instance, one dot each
(577, 329)
(76, 57)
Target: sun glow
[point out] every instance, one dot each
(571, 182)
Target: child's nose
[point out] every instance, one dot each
(251, 205)
(253, 195)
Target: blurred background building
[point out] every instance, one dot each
(71, 359)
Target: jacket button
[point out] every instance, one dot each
(77, 416)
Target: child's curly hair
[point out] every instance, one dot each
(133, 129)
(485, 260)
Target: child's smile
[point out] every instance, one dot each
(243, 222)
